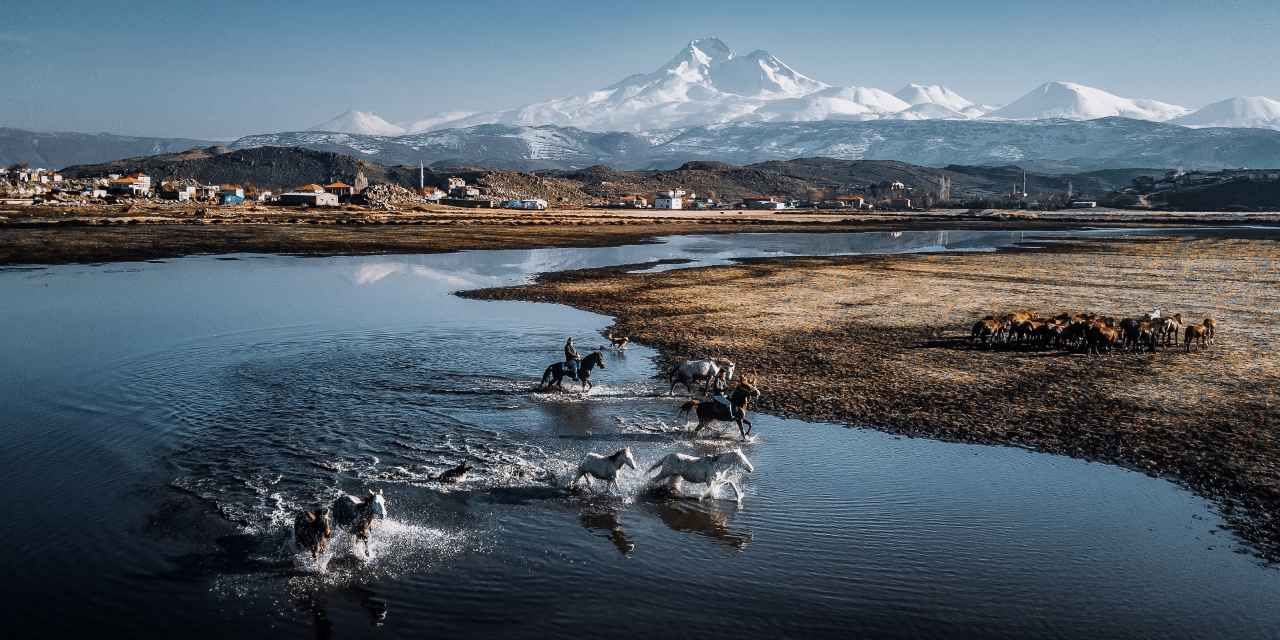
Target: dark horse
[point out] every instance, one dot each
(711, 410)
(557, 372)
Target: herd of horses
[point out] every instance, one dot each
(315, 528)
(1091, 333)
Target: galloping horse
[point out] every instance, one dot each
(711, 410)
(704, 371)
(708, 470)
(356, 515)
(604, 467)
(556, 371)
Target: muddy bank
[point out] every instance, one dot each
(881, 342)
(50, 235)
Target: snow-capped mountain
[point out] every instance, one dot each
(1077, 102)
(360, 122)
(708, 83)
(914, 94)
(1253, 112)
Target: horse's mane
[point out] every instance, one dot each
(617, 454)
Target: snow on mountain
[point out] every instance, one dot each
(917, 94)
(930, 111)
(832, 103)
(360, 122)
(1254, 112)
(1077, 102)
(436, 121)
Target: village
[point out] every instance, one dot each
(21, 185)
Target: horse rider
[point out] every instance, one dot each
(717, 392)
(571, 359)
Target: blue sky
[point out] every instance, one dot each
(221, 70)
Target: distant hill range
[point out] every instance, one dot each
(1047, 146)
(56, 150)
(286, 167)
(267, 167)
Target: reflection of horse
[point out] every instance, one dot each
(706, 518)
(604, 467)
(312, 531)
(356, 515)
(608, 521)
(692, 371)
(556, 373)
(735, 411)
(708, 470)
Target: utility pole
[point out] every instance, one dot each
(421, 184)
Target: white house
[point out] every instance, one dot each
(673, 199)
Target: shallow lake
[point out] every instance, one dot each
(160, 424)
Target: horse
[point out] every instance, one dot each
(604, 467)
(704, 371)
(708, 470)
(619, 342)
(1195, 333)
(312, 531)
(356, 515)
(985, 330)
(708, 412)
(557, 373)
(1169, 328)
(1211, 327)
(455, 474)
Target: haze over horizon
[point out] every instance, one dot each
(237, 68)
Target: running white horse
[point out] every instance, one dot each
(708, 470)
(691, 371)
(604, 467)
(356, 515)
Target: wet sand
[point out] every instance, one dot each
(881, 342)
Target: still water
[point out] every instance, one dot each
(160, 424)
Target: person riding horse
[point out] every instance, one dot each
(571, 359)
(717, 390)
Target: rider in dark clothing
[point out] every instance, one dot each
(571, 359)
(718, 386)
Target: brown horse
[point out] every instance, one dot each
(1211, 326)
(1195, 332)
(312, 531)
(711, 410)
(985, 330)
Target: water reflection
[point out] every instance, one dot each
(602, 518)
(707, 518)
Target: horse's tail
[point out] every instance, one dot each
(546, 375)
(671, 375)
(686, 408)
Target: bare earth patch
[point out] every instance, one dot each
(882, 342)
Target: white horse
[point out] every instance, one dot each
(708, 470)
(604, 467)
(704, 371)
(356, 515)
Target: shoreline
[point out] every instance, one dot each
(43, 237)
(881, 342)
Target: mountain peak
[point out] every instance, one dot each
(917, 94)
(359, 122)
(714, 48)
(1254, 112)
(1074, 101)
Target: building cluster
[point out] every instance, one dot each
(896, 196)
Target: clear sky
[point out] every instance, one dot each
(225, 69)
